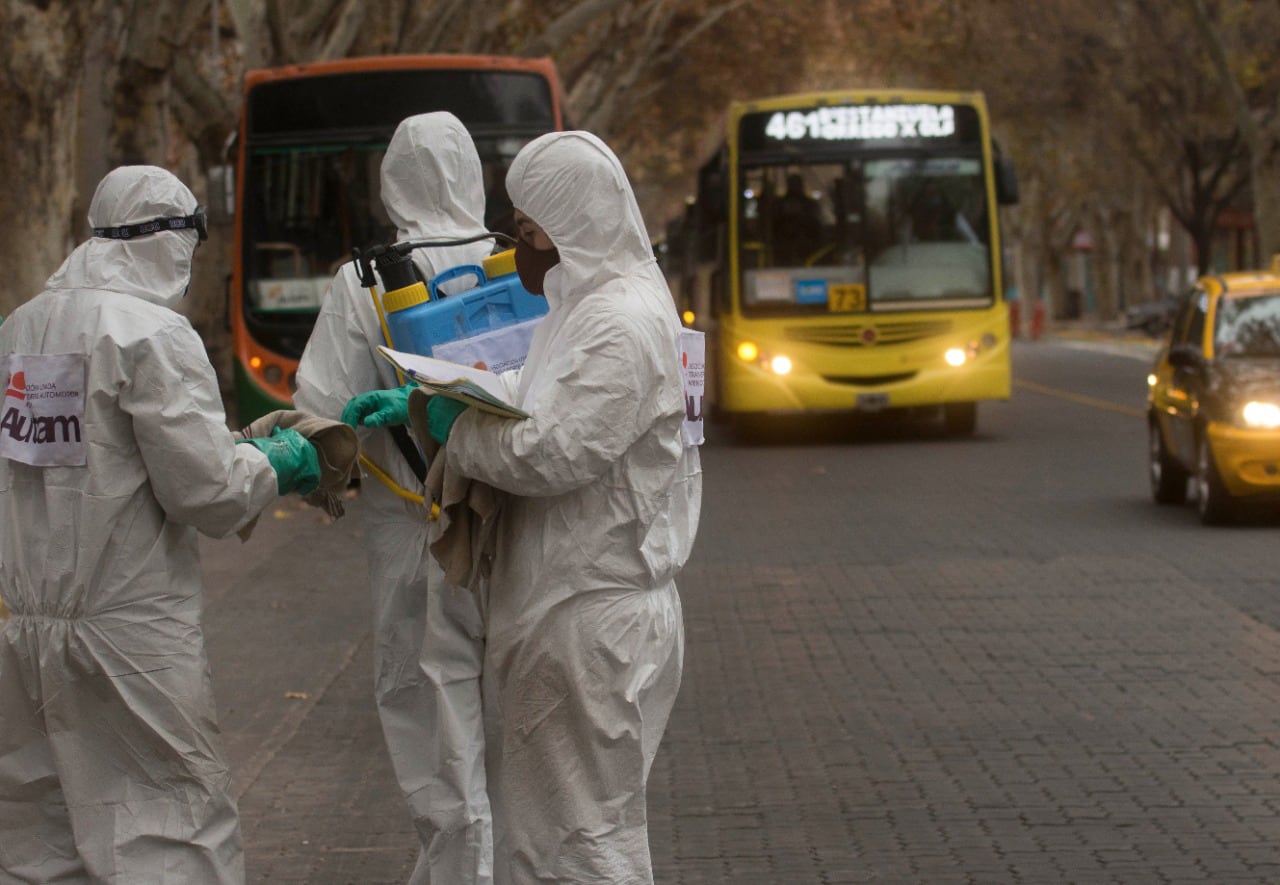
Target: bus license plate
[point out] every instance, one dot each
(872, 402)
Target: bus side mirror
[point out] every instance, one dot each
(222, 193)
(1006, 182)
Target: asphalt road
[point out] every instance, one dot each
(909, 659)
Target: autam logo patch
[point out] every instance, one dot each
(42, 414)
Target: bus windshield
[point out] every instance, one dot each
(911, 232)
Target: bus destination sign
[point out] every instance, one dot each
(865, 123)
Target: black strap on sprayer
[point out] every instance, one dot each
(397, 270)
(411, 454)
(392, 260)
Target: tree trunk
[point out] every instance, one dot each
(1053, 282)
(38, 109)
(1104, 263)
(1266, 200)
(1261, 141)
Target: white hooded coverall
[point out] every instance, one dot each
(428, 636)
(586, 640)
(111, 764)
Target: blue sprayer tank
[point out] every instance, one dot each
(419, 318)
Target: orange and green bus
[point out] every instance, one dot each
(843, 254)
(307, 184)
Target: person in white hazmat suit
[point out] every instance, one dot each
(429, 637)
(586, 639)
(114, 452)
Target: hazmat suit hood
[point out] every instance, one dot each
(155, 267)
(571, 185)
(433, 184)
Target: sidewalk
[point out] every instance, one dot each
(1093, 328)
(1094, 331)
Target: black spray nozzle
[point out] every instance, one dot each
(397, 270)
(393, 264)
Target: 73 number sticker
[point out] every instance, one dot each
(847, 298)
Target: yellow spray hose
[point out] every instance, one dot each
(386, 331)
(373, 468)
(399, 489)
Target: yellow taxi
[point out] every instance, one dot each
(1213, 399)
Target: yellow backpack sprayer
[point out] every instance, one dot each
(416, 316)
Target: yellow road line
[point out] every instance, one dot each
(1079, 398)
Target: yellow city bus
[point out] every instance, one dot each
(307, 183)
(843, 255)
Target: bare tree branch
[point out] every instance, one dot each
(250, 20)
(554, 37)
(284, 49)
(342, 36)
(642, 59)
(1230, 85)
(437, 28)
(201, 109)
(410, 35)
(154, 35)
(708, 20)
(307, 22)
(672, 52)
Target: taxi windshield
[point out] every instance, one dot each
(1248, 326)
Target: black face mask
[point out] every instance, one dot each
(532, 265)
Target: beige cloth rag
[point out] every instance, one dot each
(336, 444)
(462, 537)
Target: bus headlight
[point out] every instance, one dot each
(958, 356)
(1261, 415)
(777, 363)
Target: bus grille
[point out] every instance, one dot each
(868, 380)
(869, 334)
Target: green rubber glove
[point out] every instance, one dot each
(379, 408)
(292, 457)
(441, 413)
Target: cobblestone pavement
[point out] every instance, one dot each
(987, 721)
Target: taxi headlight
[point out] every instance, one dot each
(781, 365)
(955, 356)
(748, 351)
(1262, 415)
